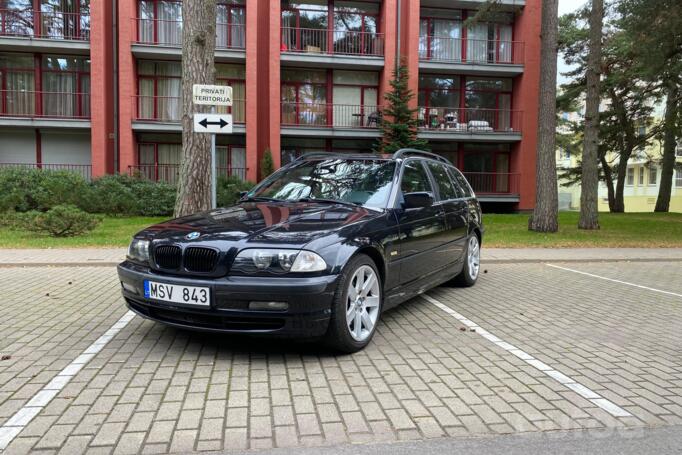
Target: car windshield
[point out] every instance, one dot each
(365, 182)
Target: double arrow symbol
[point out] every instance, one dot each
(205, 123)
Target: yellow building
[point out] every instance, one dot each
(642, 181)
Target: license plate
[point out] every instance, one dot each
(175, 293)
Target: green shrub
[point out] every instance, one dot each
(111, 195)
(64, 221)
(24, 189)
(125, 195)
(228, 188)
(16, 220)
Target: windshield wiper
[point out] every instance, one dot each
(329, 201)
(260, 199)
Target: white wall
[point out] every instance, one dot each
(17, 146)
(66, 147)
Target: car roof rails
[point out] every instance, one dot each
(370, 156)
(403, 153)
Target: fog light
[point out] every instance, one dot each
(129, 287)
(268, 306)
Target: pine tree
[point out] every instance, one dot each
(267, 166)
(399, 123)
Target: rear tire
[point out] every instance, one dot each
(356, 308)
(472, 263)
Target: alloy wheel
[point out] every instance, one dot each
(362, 303)
(473, 257)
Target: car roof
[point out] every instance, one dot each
(399, 155)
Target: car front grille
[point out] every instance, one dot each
(201, 260)
(168, 256)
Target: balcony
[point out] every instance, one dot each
(169, 173)
(471, 56)
(39, 31)
(453, 123)
(33, 108)
(330, 48)
(164, 113)
(332, 120)
(159, 37)
(488, 185)
(84, 170)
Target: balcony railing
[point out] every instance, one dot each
(169, 172)
(41, 24)
(326, 115)
(169, 33)
(493, 182)
(19, 103)
(469, 120)
(346, 42)
(83, 169)
(169, 109)
(459, 50)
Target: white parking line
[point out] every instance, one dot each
(580, 389)
(23, 416)
(614, 280)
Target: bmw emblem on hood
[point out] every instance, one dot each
(192, 236)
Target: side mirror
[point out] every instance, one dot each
(418, 200)
(242, 194)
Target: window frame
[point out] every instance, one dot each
(458, 194)
(399, 200)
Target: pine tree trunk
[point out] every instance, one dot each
(669, 145)
(545, 214)
(589, 216)
(198, 67)
(608, 179)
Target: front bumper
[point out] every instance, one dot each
(309, 303)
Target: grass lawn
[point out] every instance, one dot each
(112, 232)
(617, 230)
(502, 231)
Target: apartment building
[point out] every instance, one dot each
(95, 86)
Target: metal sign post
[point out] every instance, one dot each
(212, 95)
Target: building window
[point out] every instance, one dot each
(58, 19)
(17, 82)
(305, 98)
(653, 175)
(641, 176)
(231, 25)
(352, 29)
(630, 177)
(65, 83)
(488, 101)
(160, 22)
(439, 101)
(159, 90)
(234, 76)
(66, 86)
(441, 37)
(678, 178)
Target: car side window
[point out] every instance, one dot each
(415, 178)
(458, 178)
(446, 189)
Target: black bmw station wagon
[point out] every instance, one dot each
(318, 249)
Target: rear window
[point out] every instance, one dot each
(446, 188)
(461, 182)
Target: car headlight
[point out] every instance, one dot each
(254, 260)
(139, 250)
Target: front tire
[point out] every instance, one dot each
(356, 307)
(472, 263)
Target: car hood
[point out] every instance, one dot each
(280, 223)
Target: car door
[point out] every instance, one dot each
(452, 200)
(422, 230)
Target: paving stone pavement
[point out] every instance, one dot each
(154, 389)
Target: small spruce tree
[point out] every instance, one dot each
(399, 123)
(267, 166)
